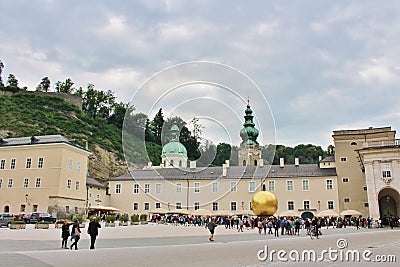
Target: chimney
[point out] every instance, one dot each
(193, 164)
(296, 162)
(227, 163)
(281, 162)
(319, 158)
(261, 162)
(224, 170)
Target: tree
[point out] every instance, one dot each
(1, 70)
(197, 128)
(331, 150)
(12, 81)
(65, 87)
(44, 85)
(118, 115)
(223, 153)
(208, 152)
(157, 126)
(98, 103)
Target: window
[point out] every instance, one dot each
(306, 204)
(366, 205)
(345, 179)
(118, 189)
(329, 184)
(28, 163)
(1, 182)
(330, 205)
(135, 206)
(290, 205)
(13, 163)
(343, 159)
(365, 188)
(386, 170)
(215, 187)
(40, 163)
(76, 210)
(90, 194)
(158, 188)
(252, 186)
(2, 164)
(233, 206)
(306, 185)
(23, 207)
(35, 208)
(233, 187)
(26, 182)
(178, 187)
(178, 206)
(146, 206)
(158, 205)
(136, 189)
(69, 184)
(146, 188)
(271, 186)
(346, 200)
(289, 185)
(10, 183)
(67, 209)
(78, 166)
(196, 187)
(37, 184)
(215, 206)
(77, 185)
(196, 205)
(70, 164)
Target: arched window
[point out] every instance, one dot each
(180, 163)
(7, 209)
(244, 162)
(255, 162)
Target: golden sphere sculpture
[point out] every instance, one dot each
(264, 203)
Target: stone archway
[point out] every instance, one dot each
(389, 200)
(6, 209)
(307, 215)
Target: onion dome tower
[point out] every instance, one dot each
(249, 152)
(174, 154)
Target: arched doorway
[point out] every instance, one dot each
(6, 209)
(389, 200)
(307, 215)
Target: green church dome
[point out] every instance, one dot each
(249, 133)
(174, 148)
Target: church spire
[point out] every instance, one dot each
(249, 133)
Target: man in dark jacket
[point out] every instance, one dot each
(93, 231)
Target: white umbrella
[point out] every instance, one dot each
(327, 213)
(223, 213)
(350, 213)
(201, 212)
(245, 212)
(159, 211)
(289, 213)
(178, 211)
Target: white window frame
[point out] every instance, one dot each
(329, 184)
(290, 204)
(215, 206)
(146, 188)
(2, 164)
(28, 164)
(136, 188)
(345, 179)
(196, 205)
(289, 185)
(69, 183)
(38, 182)
(178, 205)
(305, 184)
(304, 204)
(146, 206)
(348, 198)
(178, 187)
(215, 187)
(197, 187)
(118, 189)
(158, 188)
(343, 159)
(252, 186)
(158, 205)
(70, 163)
(77, 185)
(13, 163)
(271, 186)
(233, 206)
(40, 162)
(386, 170)
(135, 206)
(78, 167)
(26, 183)
(1, 182)
(233, 186)
(330, 202)
(10, 183)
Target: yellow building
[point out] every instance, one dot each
(43, 174)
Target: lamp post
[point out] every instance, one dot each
(319, 205)
(242, 205)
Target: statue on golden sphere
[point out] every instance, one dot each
(264, 203)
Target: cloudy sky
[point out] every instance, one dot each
(320, 65)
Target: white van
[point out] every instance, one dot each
(6, 219)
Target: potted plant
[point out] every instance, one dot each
(123, 220)
(18, 225)
(42, 225)
(135, 219)
(143, 218)
(110, 221)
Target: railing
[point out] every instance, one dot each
(382, 143)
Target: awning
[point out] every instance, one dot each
(350, 213)
(327, 213)
(103, 208)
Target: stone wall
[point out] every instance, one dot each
(57, 206)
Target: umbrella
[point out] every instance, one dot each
(159, 211)
(178, 211)
(350, 213)
(201, 212)
(245, 212)
(223, 213)
(327, 213)
(289, 213)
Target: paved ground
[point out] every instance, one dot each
(162, 245)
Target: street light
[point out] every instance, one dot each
(319, 205)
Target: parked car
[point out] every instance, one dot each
(27, 218)
(39, 216)
(6, 219)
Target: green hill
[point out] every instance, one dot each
(30, 114)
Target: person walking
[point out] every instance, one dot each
(276, 227)
(93, 231)
(76, 232)
(211, 228)
(65, 234)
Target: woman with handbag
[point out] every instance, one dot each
(65, 234)
(77, 233)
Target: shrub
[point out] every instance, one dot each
(135, 218)
(94, 216)
(78, 217)
(110, 218)
(143, 217)
(60, 222)
(123, 218)
(42, 222)
(18, 222)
